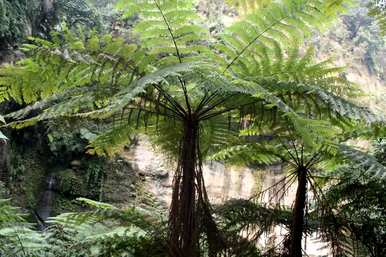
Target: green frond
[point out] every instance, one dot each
(313, 132)
(171, 31)
(378, 11)
(71, 62)
(250, 218)
(22, 241)
(112, 141)
(248, 153)
(245, 7)
(17, 237)
(126, 96)
(9, 214)
(262, 35)
(363, 162)
(103, 230)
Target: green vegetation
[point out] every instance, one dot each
(253, 93)
(378, 10)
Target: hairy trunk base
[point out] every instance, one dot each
(296, 232)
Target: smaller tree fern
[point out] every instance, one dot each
(309, 166)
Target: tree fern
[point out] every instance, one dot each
(363, 162)
(306, 161)
(173, 83)
(352, 198)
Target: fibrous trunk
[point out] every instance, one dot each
(190, 209)
(183, 238)
(297, 226)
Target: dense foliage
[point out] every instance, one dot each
(252, 93)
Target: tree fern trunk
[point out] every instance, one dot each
(46, 19)
(297, 226)
(183, 221)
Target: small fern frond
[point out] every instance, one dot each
(112, 141)
(248, 153)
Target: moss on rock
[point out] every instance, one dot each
(70, 183)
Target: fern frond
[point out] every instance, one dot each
(56, 66)
(268, 31)
(377, 9)
(170, 30)
(112, 141)
(248, 153)
(9, 214)
(245, 7)
(363, 162)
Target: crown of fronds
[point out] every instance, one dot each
(173, 74)
(263, 50)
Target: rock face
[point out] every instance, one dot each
(70, 183)
(222, 182)
(121, 182)
(10, 56)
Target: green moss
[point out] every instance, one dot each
(70, 183)
(26, 177)
(64, 204)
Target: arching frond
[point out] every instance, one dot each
(363, 162)
(78, 60)
(263, 35)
